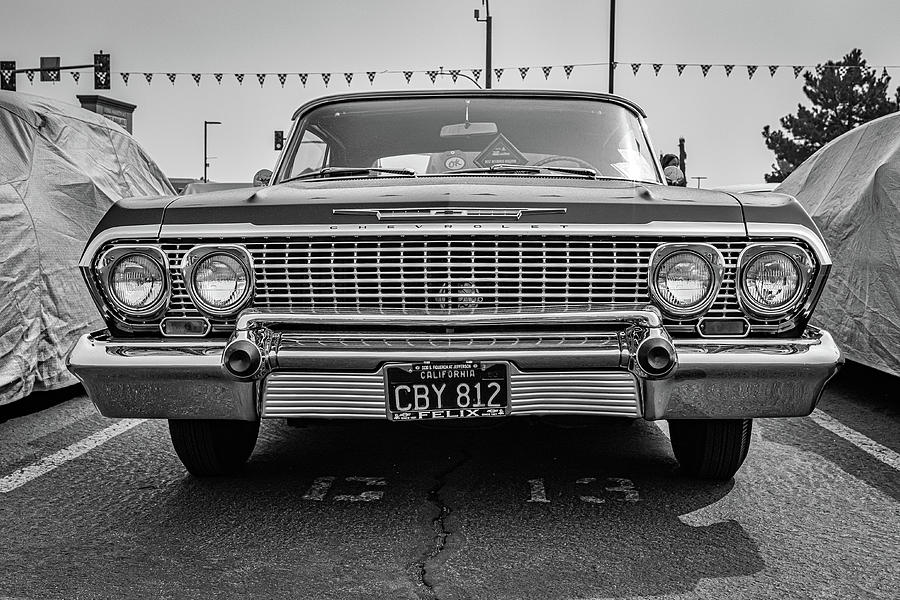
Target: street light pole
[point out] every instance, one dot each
(206, 125)
(612, 45)
(488, 23)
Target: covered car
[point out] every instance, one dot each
(851, 188)
(61, 168)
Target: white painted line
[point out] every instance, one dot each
(867, 445)
(319, 488)
(664, 427)
(367, 496)
(48, 463)
(538, 491)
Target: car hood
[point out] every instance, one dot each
(561, 200)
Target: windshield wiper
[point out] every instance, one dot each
(338, 171)
(506, 168)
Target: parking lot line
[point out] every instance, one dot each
(48, 463)
(867, 445)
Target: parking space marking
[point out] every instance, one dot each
(867, 445)
(43, 466)
(366, 496)
(319, 488)
(538, 491)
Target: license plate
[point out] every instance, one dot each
(457, 390)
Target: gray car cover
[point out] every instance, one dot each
(61, 168)
(851, 188)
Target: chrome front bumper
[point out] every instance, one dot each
(582, 363)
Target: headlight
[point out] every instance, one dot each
(135, 279)
(219, 278)
(684, 278)
(772, 279)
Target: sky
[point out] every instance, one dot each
(720, 117)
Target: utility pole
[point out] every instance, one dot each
(206, 125)
(487, 40)
(699, 179)
(612, 45)
(682, 156)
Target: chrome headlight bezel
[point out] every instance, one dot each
(110, 259)
(706, 252)
(800, 258)
(196, 255)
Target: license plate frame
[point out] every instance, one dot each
(451, 374)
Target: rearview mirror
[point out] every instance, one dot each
(262, 177)
(467, 129)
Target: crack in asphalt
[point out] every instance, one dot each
(418, 569)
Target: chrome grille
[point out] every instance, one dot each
(362, 395)
(449, 274)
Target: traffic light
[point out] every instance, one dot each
(101, 71)
(279, 140)
(8, 75)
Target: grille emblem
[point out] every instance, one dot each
(459, 295)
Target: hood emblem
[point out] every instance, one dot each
(469, 212)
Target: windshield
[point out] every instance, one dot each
(432, 136)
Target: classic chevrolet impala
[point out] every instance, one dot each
(458, 255)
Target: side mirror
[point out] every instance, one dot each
(262, 177)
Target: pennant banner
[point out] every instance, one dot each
(218, 77)
(772, 70)
(454, 74)
(240, 78)
(728, 70)
(407, 75)
(797, 71)
(432, 75)
(148, 77)
(371, 76)
(498, 73)
(476, 73)
(76, 76)
(705, 69)
(523, 71)
(326, 77)
(842, 72)
(261, 78)
(348, 77)
(30, 76)
(635, 67)
(568, 70)
(196, 77)
(303, 78)
(282, 77)
(125, 77)
(656, 68)
(546, 71)
(680, 69)
(172, 77)
(751, 70)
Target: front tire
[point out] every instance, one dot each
(208, 448)
(710, 448)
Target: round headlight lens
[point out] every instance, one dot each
(221, 282)
(137, 282)
(771, 280)
(684, 280)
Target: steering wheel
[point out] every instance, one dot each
(581, 163)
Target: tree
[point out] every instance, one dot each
(843, 95)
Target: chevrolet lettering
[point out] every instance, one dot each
(458, 256)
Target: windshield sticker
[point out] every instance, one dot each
(500, 152)
(454, 162)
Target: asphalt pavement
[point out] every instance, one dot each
(513, 508)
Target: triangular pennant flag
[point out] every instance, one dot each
(454, 74)
(772, 69)
(172, 77)
(30, 76)
(348, 77)
(196, 77)
(476, 73)
(820, 70)
(523, 71)
(240, 78)
(218, 77)
(498, 73)
(568, 70)
(408, 75)
(371, 76)
(797, 70)
(76, 76)
(635, 67)
(680, 69)
(728, 70)
(261, 78)
(546, 71)
(613, 65)
(148, 77)
(303, 78)
(282, 77)
(432, 75)
(751, 69)
(842, 72)
(705, 69)
(125, 77)
(326, 77)
(656, 68)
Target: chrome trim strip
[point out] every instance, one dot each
(115, 233)
(791, 230)
(464, 212)
(653, 228)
